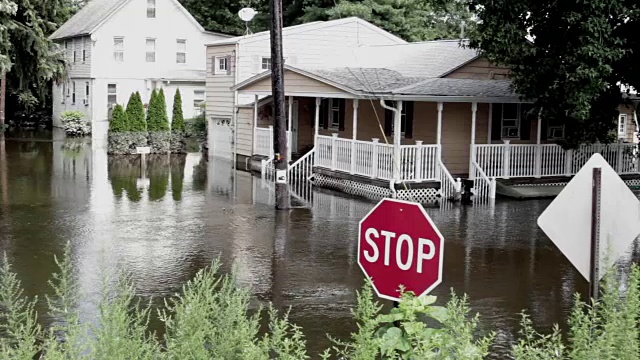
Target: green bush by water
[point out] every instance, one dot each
(157, 119)
(75, 123)
(135, 114)
(119, 121)
(177, 120)
(211, 319)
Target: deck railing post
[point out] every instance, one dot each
(334, 151)
(568, 162)
(507, 158)
(419, 155)
(538, 164)
(374, 158)
(620, 158)
(271, 153)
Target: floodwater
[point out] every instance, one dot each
(185, 212)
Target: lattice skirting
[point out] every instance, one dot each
(633, 182)
(424, 196)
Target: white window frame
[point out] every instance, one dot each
(151, 9)
(518, 121)
(114, 94)
(552, 129)
(179, 42)
(150, 56)
(198, 101)
(118, 52)
(221, 65)
(265, 63)
(623, 121)
(403, 121)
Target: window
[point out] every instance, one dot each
(151, 9)
(334, 113)
(118, 49)
(266, 63)
(151, 50)
(511, 121)
(112, 95)
(75, 51)
(84, 50)
(622, 125)
(73, 94)
(198, 100)
(86, 93)
(221, 65)
(403, 120)
(181, 53)
(555, 132)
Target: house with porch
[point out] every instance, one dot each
(419, 121)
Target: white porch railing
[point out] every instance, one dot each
(374, 159)
(519, 160)
(263, 141)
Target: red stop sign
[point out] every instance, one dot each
(398, 244)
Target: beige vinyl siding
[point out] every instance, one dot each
(219, 101)
(244, 119)
(631, 124)
(480, 69)
(295, 82)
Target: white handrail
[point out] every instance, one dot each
(486, 187)
(448, 185)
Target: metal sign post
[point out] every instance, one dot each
(596, 194)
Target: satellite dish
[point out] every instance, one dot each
(247, 14)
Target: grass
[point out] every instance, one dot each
(210, 319)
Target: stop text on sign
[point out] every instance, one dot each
(426, 249)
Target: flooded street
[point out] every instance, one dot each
(183, 213)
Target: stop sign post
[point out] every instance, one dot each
(398, 244)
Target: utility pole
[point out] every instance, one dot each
(280, 125)
(3, 95)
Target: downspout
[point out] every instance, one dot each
(396, 137)
(635, 119)
(235, 110)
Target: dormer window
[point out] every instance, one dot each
(151, 9)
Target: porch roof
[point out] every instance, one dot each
(391, 84)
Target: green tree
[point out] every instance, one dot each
(157, 119)
(135, 113)
(569, 57)
(177, 122)
(119, 121)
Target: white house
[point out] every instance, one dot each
(117, 47)
(231, 61)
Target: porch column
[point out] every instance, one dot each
(255, 123)
(289, 126)
(317, 121)
(538, 164)
(439, 135)
(472, 153)
(397, 139)
(355, 134)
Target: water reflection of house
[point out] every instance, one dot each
(439, 110)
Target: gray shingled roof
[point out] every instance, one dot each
(366, 79)
(459, 87)
(88, 18)
(427, 59)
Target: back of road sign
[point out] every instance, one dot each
(567, 220)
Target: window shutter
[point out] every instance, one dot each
(213, 64)
(229, 64)
(324, 113)
(526, 114)
(408, 127)
(341, 105)
(496, 122)
(388, 121)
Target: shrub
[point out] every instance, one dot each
(157, 115)
(135, 113)
(119, 121)
(177, 121)
(75, 124)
